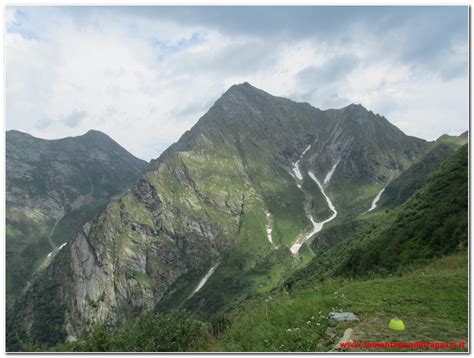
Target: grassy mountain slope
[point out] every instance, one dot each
(400, 189)
(432, 300)
(429, 293)
(432, 223)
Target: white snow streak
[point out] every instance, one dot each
(375, 201)
(269, 229)
(204, 279)
(317, 226)
(57, 249)
(330, 204)
(296, 166)
(329, 175)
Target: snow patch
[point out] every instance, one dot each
(329, 175)
(330, 204)
(269, 229)
(296, 166)
(204, 279)
(317, 226)
(375, 201)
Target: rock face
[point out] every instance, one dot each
(53, 187)
(205, 200)
(369, 151)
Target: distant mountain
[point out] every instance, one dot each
(52, 188)
(219, 216)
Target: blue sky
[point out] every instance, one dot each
(144, 75)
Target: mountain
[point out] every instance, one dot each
(364, 152)
(401, 188)
(432, 223)
(397, 191)
(53, 187)
(422, 278)
(219, 216)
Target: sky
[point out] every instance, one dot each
(146, 74)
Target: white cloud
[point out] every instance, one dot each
(145, 81)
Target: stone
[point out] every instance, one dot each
(345, 338)
(329, 331)
(343, 316)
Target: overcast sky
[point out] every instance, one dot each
(144, 75)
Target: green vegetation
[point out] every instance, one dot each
(403, 187)
(320, 207)
(334, 235)
(285, 202)
(74, 176)
(205, 202)
(432, 300)
(176, 331)
(432, 223)
(27, 246)
(47, 327)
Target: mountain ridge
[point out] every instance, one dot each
(206, 199)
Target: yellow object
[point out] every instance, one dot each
(396, 325)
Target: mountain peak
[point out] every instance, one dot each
(243, 85)
(94, 133)
(358, 113)
(242, 94)
(244, 88)
(355, 107)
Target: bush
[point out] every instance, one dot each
(171, 332)
(176, 331)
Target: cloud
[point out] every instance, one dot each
(332, 70)
(74, 119)
(71, 120)
(43, 123)
(144, 75)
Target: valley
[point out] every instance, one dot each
(264, 217)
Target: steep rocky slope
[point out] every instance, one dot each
(53, 187)
(207, 202)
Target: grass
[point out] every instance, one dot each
(142, 278)
(431, 300)
(320, 209)
(285, 201)
(26, 247)
(432, 223)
